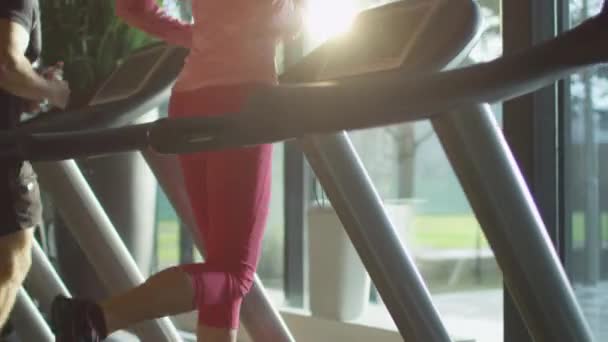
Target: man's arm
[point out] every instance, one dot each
(17, 75)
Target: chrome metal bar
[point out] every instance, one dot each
(352, 194)
(97, 237)
(512, 224)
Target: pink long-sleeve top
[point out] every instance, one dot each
(230, 41)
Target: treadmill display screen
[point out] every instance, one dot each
(380, 39)
(131, 76)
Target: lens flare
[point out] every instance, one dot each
(325, 19)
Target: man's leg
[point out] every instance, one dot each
(15, 262)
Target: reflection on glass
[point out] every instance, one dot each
(586, 218)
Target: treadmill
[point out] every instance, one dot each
(330, 91)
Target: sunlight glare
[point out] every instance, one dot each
(325, 19)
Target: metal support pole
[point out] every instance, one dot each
(512, 224)
(42, 281)
(360, 209)
(44, 284)
(28, 322)
(97, 237)
(262, 321)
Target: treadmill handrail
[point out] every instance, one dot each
(284, 112)
(117, 113)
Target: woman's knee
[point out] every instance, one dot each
(173, 277)
(245, 282)
(167, 273)
(219, 282)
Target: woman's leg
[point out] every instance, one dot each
(165, 293)
(229, 192)
(210, 334)
(150, 300)
(171, 291)
(233, 211)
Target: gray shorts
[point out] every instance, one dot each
(20, 204)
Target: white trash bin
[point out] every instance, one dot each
(339, 284)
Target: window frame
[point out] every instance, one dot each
(526, 119)
(296, 182)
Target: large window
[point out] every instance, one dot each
(425, 201)
(586, 182)
(432, 214)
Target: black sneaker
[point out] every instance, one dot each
(72, 320)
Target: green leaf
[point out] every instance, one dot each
(88, 37)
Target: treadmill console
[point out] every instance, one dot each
(380, 39)
(138, 84)
(132, 75)
(399, 38)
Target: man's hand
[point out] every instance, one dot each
(59, 93)
(54, 72)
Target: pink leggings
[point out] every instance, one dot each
(229, 192)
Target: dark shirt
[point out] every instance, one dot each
(27, 14)
(20, 205)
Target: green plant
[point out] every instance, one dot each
(88, 37)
